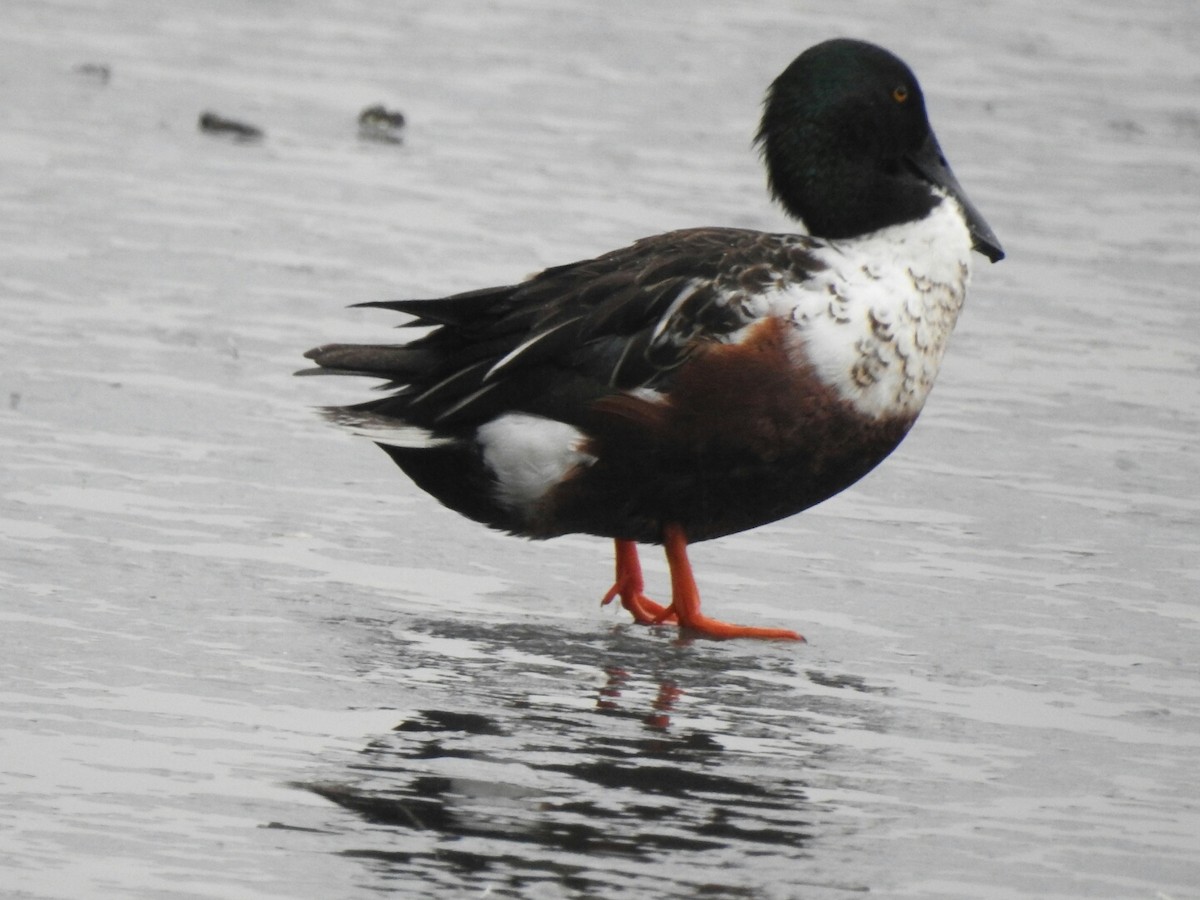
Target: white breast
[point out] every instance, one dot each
(876, 321)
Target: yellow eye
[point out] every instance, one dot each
(900, 94)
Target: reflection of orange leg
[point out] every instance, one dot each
(668, 693)
(611, 692)
(685, 598)
(629, 586)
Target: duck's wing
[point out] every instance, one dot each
(571, 334)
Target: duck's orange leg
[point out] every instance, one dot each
(629, 586)
(685, 598)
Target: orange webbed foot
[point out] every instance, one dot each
(685, 599)
(629, 586)
(703, 626)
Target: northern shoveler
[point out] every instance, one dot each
(705, 381)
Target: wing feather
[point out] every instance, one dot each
(558, 342)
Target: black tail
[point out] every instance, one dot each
(454, 473)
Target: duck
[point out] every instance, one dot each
(706, 381)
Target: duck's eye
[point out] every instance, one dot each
(900, 93)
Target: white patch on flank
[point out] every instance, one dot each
(528, 455)
(875, 323)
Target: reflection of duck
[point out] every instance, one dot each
(561, 785)
(701, 382)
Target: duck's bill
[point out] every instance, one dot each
(932, 166)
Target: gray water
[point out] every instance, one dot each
(243, 657)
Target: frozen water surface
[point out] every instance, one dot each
(244, 658)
